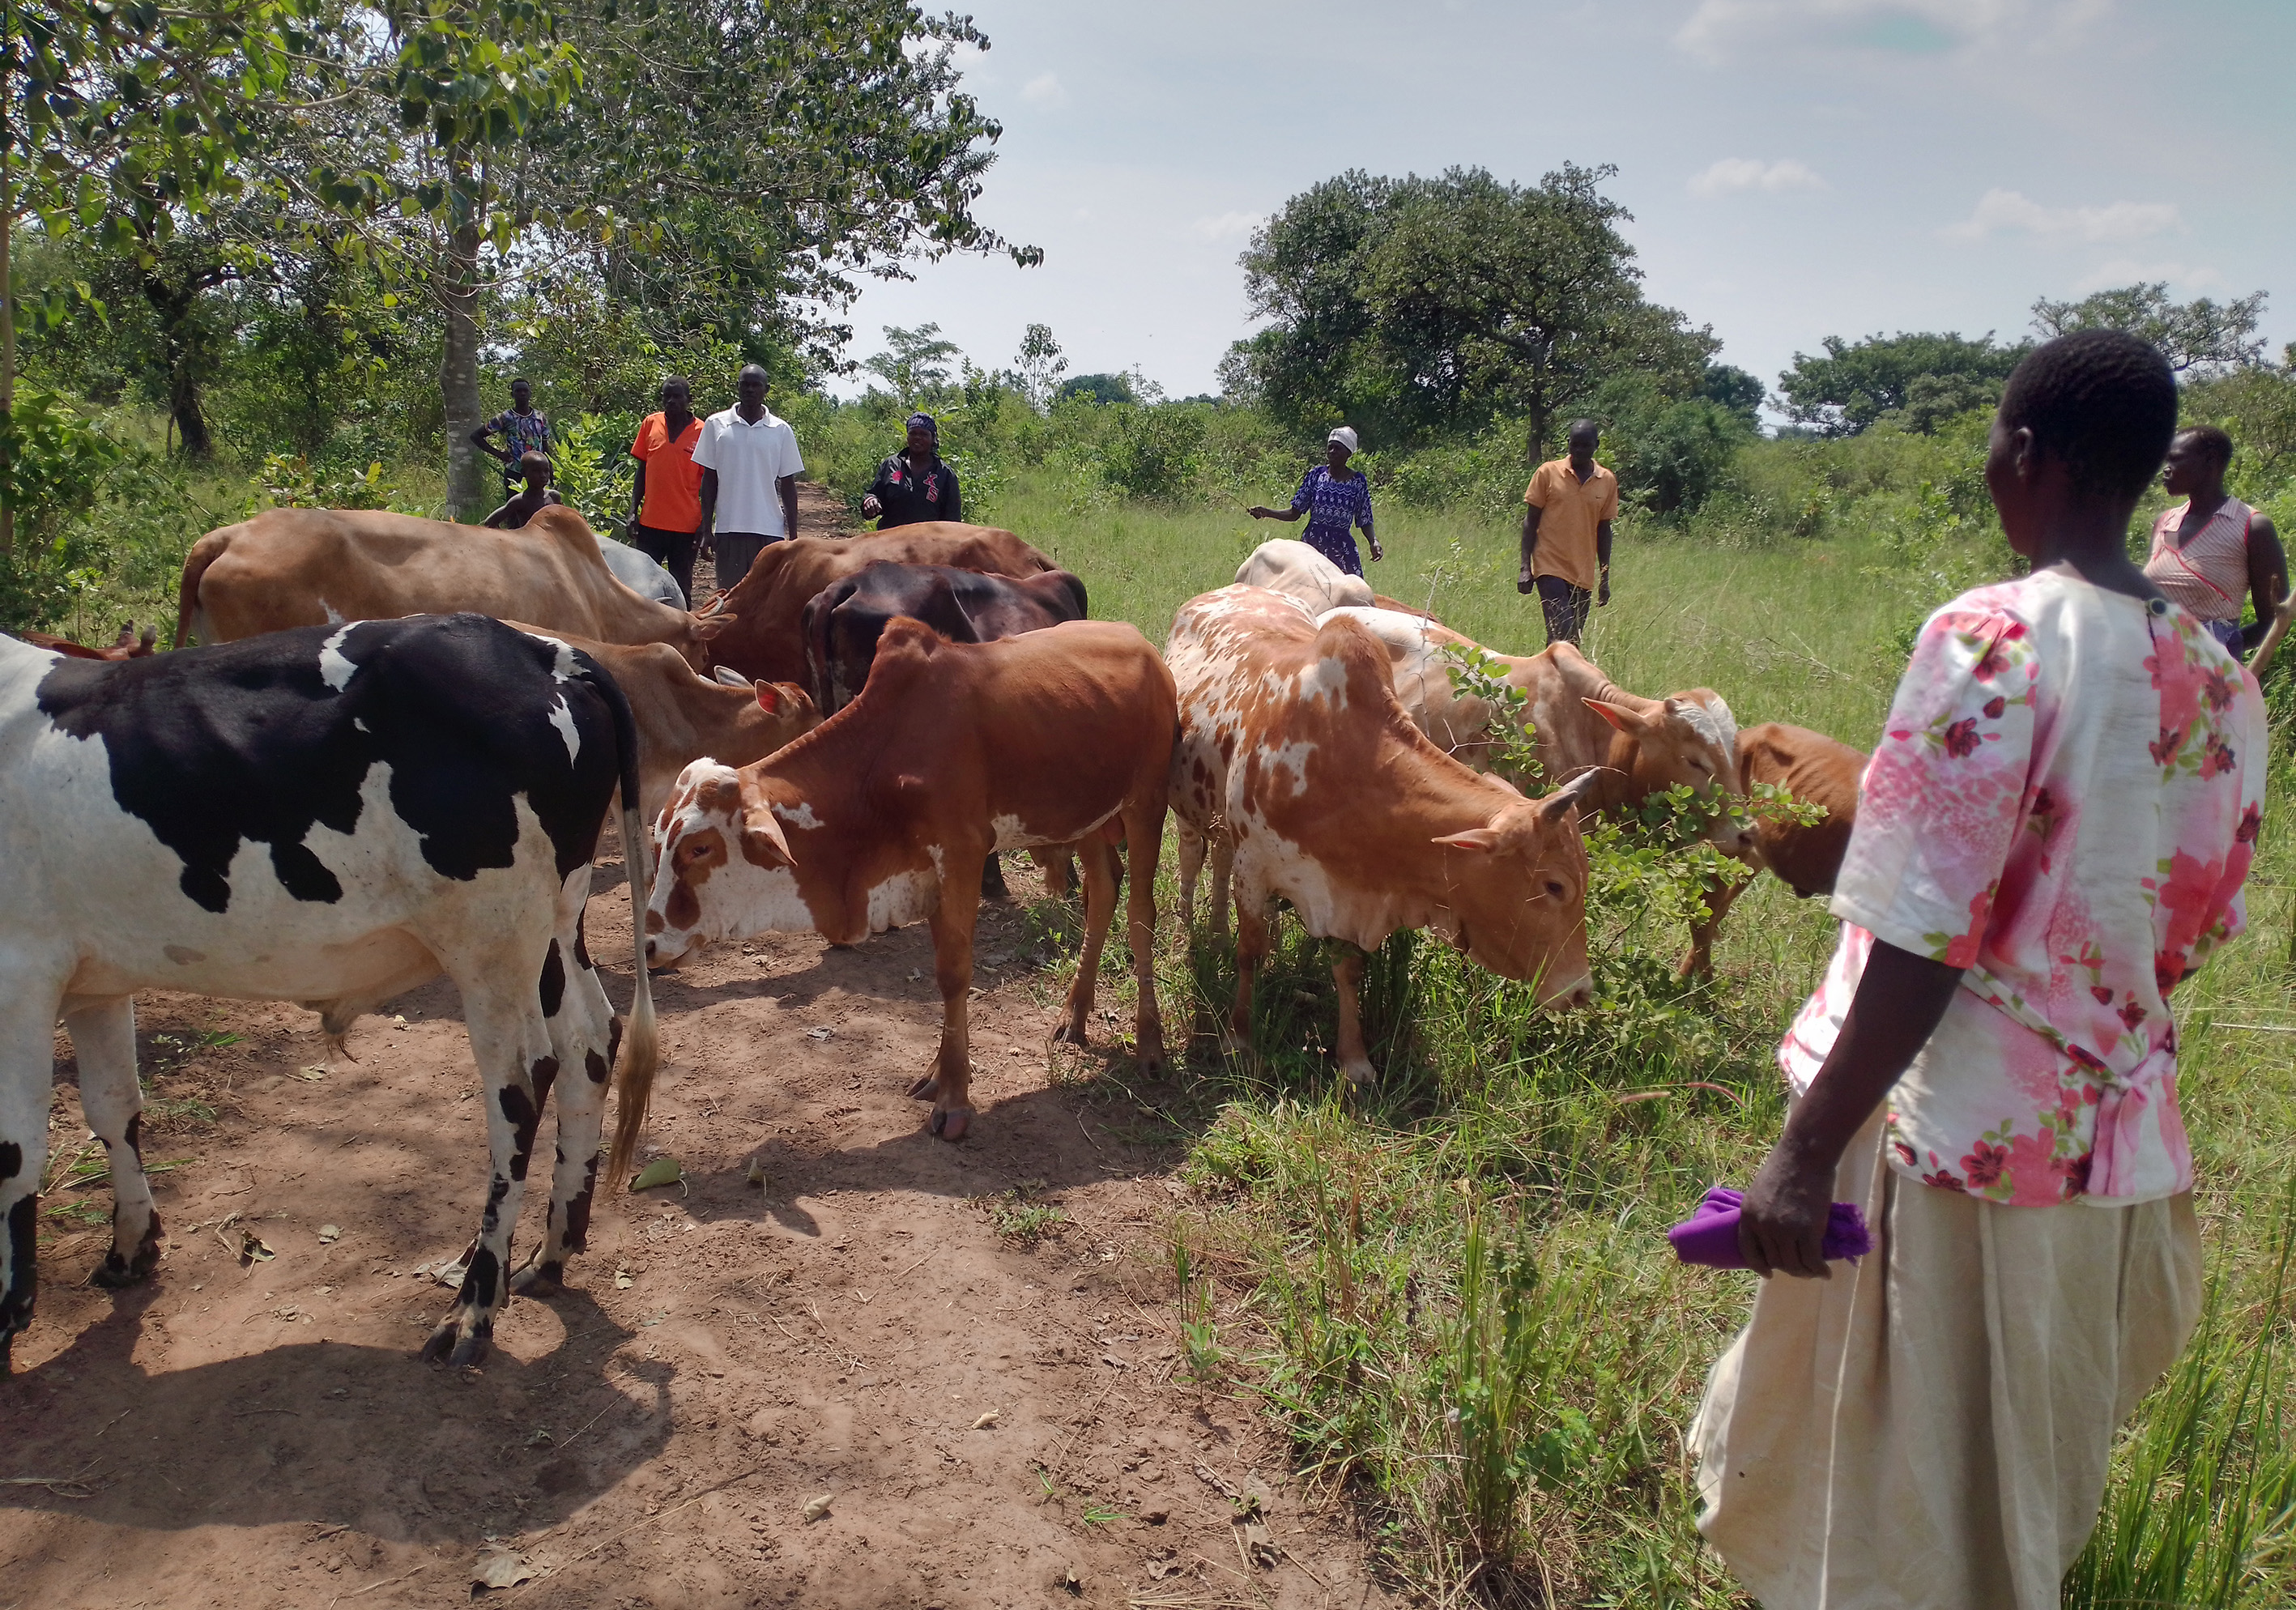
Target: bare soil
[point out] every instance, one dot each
(992, 1423)
(971, 1351)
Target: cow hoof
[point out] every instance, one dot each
(539, 1281)
(925, 1089)
(116, 1274)
(442, 1342)
(1150, 1059)
(1071, 1033)
(1362, 1077)
(949, 1123)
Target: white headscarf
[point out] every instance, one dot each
(1345, 436)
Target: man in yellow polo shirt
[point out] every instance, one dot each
(1566, 535)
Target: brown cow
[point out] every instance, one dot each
(1300, 767)
(884, 814)
(683, 718)
(843, 620)
(768, 643)
(1578, 717)
(1806, 857)
(307, 567)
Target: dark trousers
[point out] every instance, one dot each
(673, 550)
(1565, 607)
(737, 551)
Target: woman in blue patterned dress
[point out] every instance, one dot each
(1334, 498)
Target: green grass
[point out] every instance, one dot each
(1454, 1296)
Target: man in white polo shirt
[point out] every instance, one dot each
(749, 465)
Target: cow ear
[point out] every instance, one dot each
(768, 699)
(1483, 840)
(706, 626)
(1628, 721)
(763, 844)
(725, 676)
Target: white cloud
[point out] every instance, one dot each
(1045, 89)
(1228, 225)
(2001, 210)
(1731, 175)
(2117, 272)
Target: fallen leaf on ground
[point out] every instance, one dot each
(252, 1249)
(500, 1568)
(622, 1281)
(661, 1171)
(814, 1508)
(1260, 1544)
(818, 1033)
(308, 1074)
(329, 1233)
(540, 1437)
(987, 1420)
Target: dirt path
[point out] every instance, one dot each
(264, 1435)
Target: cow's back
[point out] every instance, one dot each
(767, 639)
(1287, 565)
(287, 568)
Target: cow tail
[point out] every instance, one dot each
(642, 1044)
(204, 552)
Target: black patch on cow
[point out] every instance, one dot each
(479, 1283)
(135, 1135)
(246, 743)
(613, 1041)
(596, 1066)
(578, 1210)
(23, 1268)
(496, 1192)
(554, 981)
(582, 943)
(11, 1160)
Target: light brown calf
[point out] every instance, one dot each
(1579, 720)
(767, 643)
(307, 567)
(683, 718)
(1308, 780)
(884, 814)
(1806, 857)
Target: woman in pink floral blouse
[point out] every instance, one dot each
(2052, 832)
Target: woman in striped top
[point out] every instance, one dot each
(2212, 553)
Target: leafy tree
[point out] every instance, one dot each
(1853, 384)
(2201, 334)
(1040, 365)
(1422, 307)
(1733, 388)
(918, 362)
(2257, 406)
(1102, 389)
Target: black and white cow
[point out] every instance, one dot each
(330, 815)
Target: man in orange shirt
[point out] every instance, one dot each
(1566, 535)
(666, 504)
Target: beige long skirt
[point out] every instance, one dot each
(1929, 1430)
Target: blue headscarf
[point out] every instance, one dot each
(926, 422)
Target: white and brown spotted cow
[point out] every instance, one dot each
(883, 814)
(1580, 721)
(1296, 763)
(1287, 565)
(332, 815)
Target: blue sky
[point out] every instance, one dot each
(1797, 168)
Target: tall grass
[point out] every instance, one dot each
(1455, 1295)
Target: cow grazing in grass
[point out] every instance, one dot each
(127, 645)
(1298, 767)
(884, 813)
(769, 641)
(332, 815)
(843, 620)
(1580, 720)
(307, 567)
(683, 718)
(1805, 856)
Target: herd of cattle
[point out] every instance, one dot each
(393, 755)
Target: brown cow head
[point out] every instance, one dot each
(722, 864)
(1518, 897)
(1689, 738)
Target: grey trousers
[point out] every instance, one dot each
(737, 551)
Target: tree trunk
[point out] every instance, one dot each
(7, 308)
(457, 285)
(176, 307)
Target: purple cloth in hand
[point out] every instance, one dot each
(1709, 1236)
